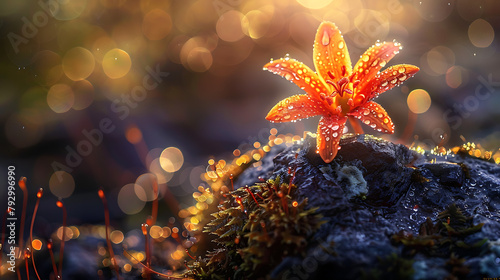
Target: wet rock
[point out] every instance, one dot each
(398, 189)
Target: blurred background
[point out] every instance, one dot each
(107, 93)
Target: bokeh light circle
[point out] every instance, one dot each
(47, 67)
(171, 159)
(314, 4)
(146, 187)
(162, 176)
(156, 24)
(69, 9)
(84, 94)
(78, 63)
(199, 59)
(419, 101)
(128, 201)
(256, 23)
(229, 27)
(60, 98)
(116, 63)
(481, 33)
(438, 60)
(456, 76)
(61, 184)
(435, 10)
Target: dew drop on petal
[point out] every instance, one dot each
(287, 117)
(365, 58)
(401, 70)
(335, 127)
(383, 63)
(341, 44)
(335, 134)
(326, 39)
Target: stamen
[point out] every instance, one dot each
(330, 74)
(343, 81)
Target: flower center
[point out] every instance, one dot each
(344, 85)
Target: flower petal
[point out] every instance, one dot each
(330, 53)
(373, 115)
(384, 81)
(373, 60)
(330, 129)
(300, 74)
(294, 108)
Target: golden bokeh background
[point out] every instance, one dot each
(119, 94)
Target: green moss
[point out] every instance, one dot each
(444, 237)
(255, 228)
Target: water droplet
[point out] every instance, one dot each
(384, 83)
(401, 70)
(365, 58)
(290, 107)
(335, 134)
(382, 63)
(287, 117)
(326, 39)
(327, 138)
(341, 44)
(335, 127)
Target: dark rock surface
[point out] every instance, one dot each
(375, 189)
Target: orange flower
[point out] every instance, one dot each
(336, 90)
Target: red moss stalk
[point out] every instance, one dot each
(108, 241)
(54, 267)
(27, 255)
(154, 211)
(38, 195)
(22, 186)
(61, 250)
(148, 253)
(410, 127)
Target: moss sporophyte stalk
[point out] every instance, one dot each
(336, 91)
